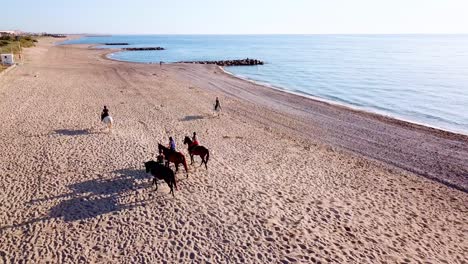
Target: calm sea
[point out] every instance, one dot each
(419, 78)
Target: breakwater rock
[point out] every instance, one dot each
(148, 48)
(243, 62)
(116, 44)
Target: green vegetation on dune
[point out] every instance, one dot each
(13, 44)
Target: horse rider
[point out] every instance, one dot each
(172, 144)
(160, 158)
(195, 140)
(105, 112)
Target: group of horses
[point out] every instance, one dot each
(164, 172)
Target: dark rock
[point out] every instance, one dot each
(117, 43)
(243, 62)
(148, 48)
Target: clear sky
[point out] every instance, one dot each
(235, 16)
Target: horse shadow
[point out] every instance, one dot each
(95, 187)
(92, 198)
(81, 208)
(192, 117)
(71, 132)
(133, 173)
(104, 186)
(101, 197)
(76, 132)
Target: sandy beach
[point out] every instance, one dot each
(289, 180)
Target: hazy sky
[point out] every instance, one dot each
(236, 16)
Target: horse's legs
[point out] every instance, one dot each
(202, 160)
(169, 183)
(176, 167)
(191, 158)
(155, 182)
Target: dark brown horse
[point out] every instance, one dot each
(161, 172)
(197, 150)
(174, 157)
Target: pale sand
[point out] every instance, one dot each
(282, 185)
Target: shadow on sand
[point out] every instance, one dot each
(192, 117)
(76, 132)
(92, 198)
(70, 132)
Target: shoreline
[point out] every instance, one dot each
(461, 181)
(377, 113)
(350, 107)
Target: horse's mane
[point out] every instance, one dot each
(161, 146)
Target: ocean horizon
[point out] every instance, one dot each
(417, 78)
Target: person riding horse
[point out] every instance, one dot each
(195, 141)
(105, 112)
(173, 156)
(194, 148)
(160, 158)
(172, 144)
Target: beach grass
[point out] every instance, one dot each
(14, 44)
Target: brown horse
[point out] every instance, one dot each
(174, 157)
(198, 151)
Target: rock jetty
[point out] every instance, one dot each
(117, 43)
(243, 62)
(148, 48)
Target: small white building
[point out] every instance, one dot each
(7, 59)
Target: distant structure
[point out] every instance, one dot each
(10, 33)
(54, 35)
(7, 59)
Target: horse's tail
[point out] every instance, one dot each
(207, 156)
(174, 181)
(185, 164)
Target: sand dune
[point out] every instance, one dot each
(73, 193)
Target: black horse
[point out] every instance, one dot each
(174, 156)
(161, 172)
(198, 151)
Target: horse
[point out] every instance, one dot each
(174, 157)
(161, 172)
(198, 151)
(108, 121)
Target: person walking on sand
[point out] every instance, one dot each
(172, 144)
(217, 106)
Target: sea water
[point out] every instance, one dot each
(418, 78)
